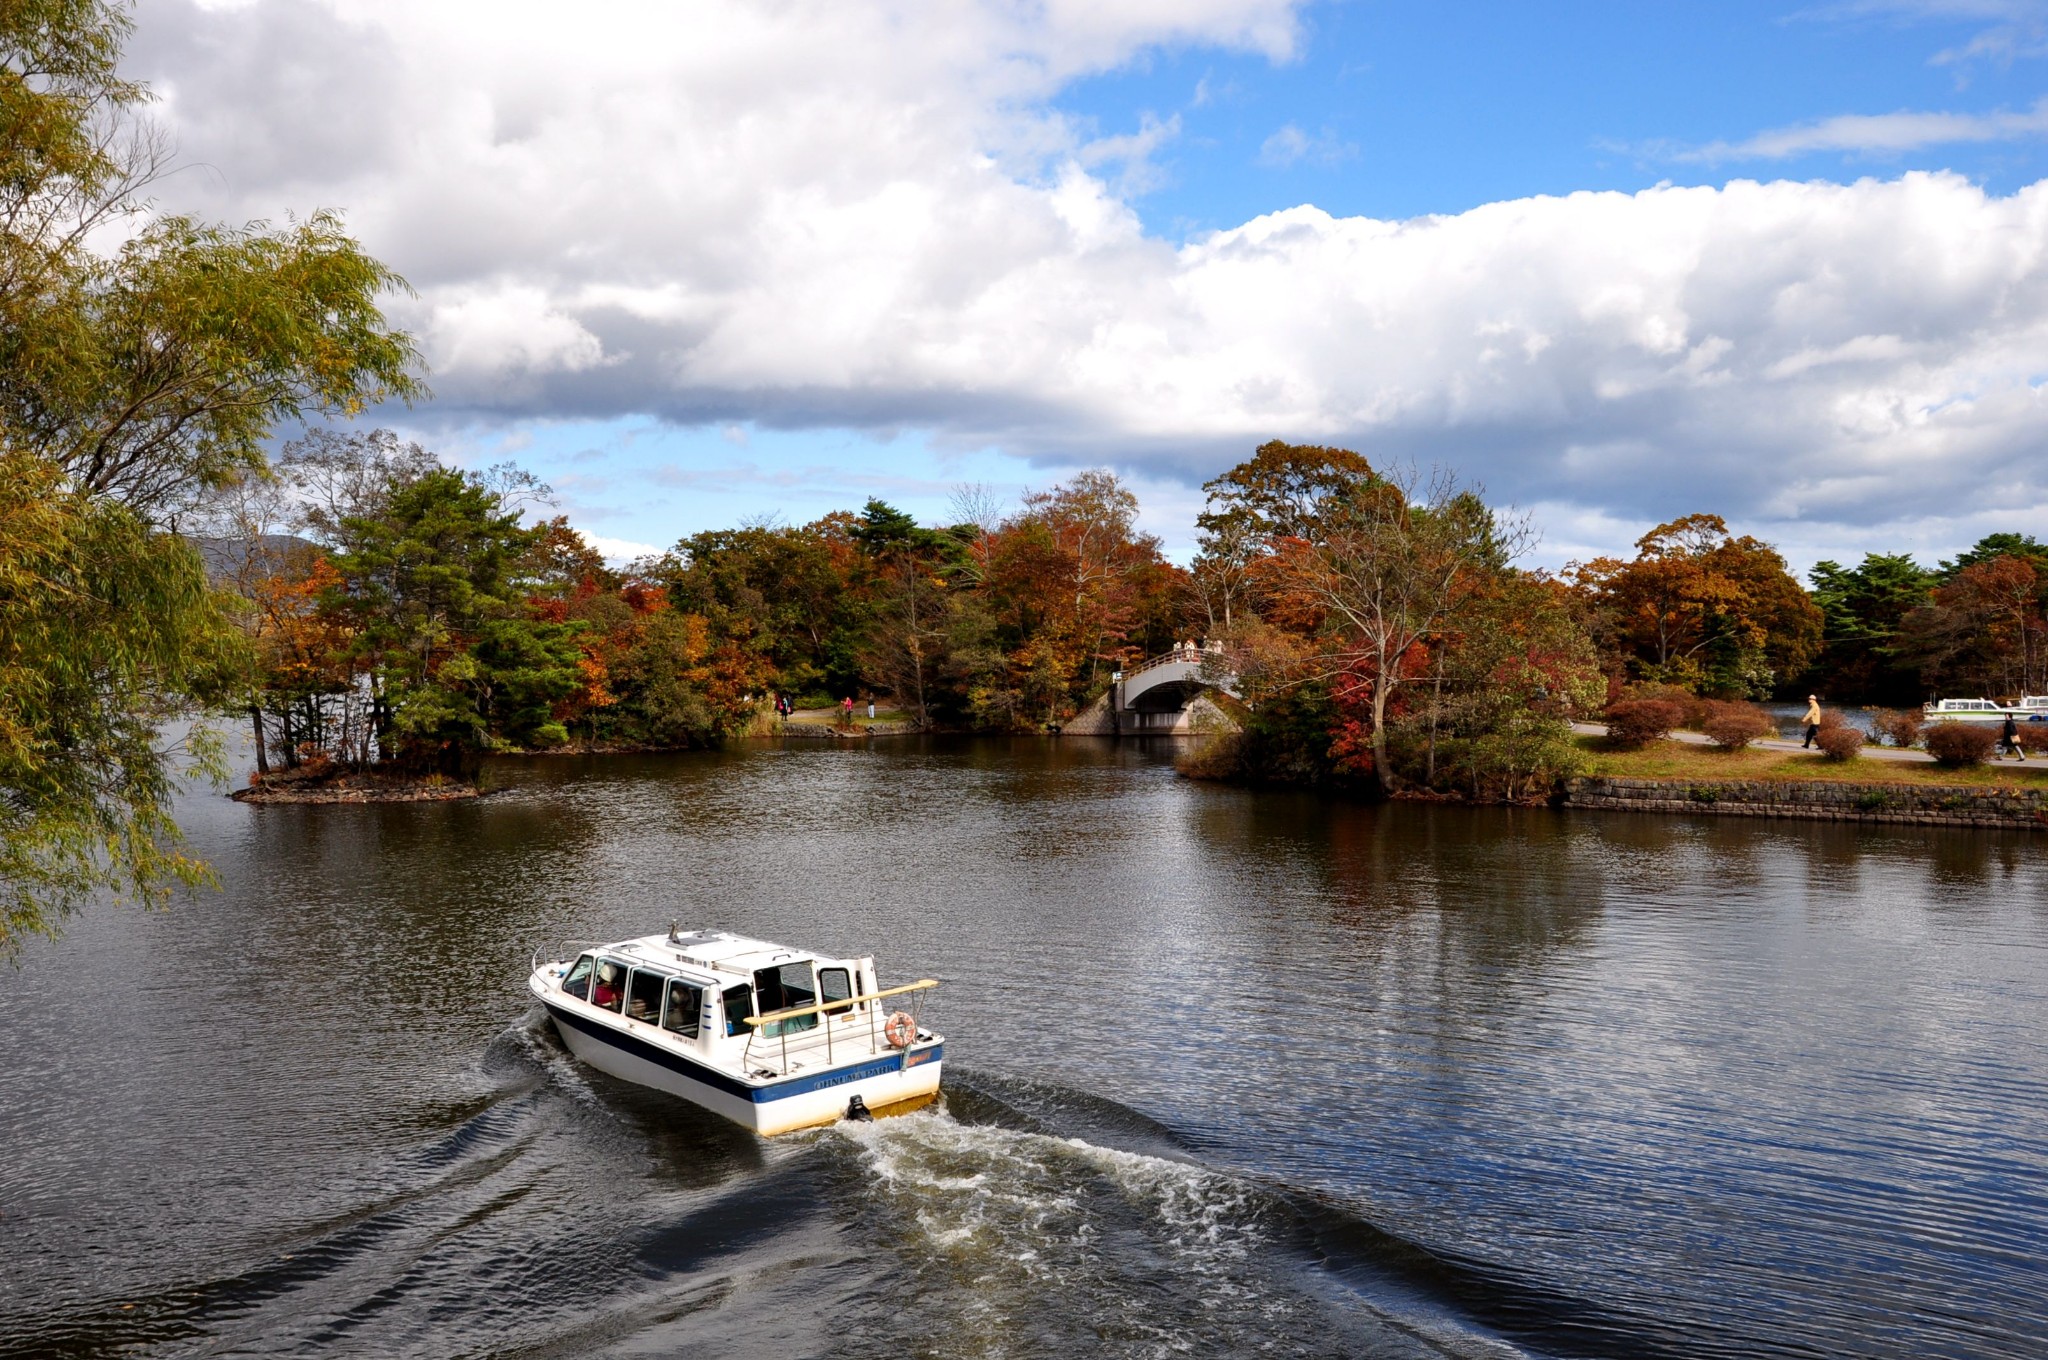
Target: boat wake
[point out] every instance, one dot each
(1015, 1241)
(557, 1211)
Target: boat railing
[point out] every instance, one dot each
(798, 1043)
(561, 951)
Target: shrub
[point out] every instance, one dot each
(1733, 726)
(1635, 723)
(1901, 727)
(1692, 710)
(1840, 742)
(1957, 744)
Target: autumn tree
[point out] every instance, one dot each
(1091, 543)
(1387, 565)
(1699, 607)
(1282, 491)
(1494, 699)
(1984, 629)
(797, 596)
(1277, 493)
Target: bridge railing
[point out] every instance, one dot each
(1188, 655)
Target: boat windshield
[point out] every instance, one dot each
(577, 984)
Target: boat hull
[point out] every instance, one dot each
(902, 1079)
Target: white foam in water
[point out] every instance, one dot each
(1017, 1235)
(557, 1063)
(1034, 1225)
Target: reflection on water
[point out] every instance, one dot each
(1229, 1074)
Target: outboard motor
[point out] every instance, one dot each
(857, 1110)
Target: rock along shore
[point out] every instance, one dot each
(355, 788)
(1908, 804)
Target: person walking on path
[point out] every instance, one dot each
(2009, 736)
(871, 708)
(1812, 720)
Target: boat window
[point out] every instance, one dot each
(738, 1006)
(783, 988)
(684, 1001)
(610, 988)
(577, 984)
(643, 996)
(835, 984)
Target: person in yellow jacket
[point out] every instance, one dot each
(1812, 720)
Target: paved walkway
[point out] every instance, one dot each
(1869, 751)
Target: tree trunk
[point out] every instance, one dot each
(1382, 776)
(256, 722)
(1436, 706)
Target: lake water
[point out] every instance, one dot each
(1228, 1074)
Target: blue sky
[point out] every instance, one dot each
(706, 263)
(1407, 109)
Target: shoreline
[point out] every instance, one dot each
(1973, 798)
(1984, 807)
(355, 787)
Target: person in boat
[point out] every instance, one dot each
(606, 991)
(2009, 736)
(1812, 720)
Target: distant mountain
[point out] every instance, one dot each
(227, 559)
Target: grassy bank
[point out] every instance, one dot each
(1683, 760)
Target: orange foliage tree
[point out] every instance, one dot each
(1700, 607)
(1985, 629)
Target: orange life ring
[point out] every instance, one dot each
(899, 1029)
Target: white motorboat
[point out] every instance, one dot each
(772, 1038)
(2030, 708)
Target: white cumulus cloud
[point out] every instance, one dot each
(867, 214)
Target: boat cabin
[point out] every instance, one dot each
(702, 988)
(2030, 707)
(1963, 708)
(772, 1038)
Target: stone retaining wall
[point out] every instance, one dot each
(1913, 804)
(861, 730)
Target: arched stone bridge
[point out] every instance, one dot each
(1153, 696)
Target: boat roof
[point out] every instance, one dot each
(709, 953)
